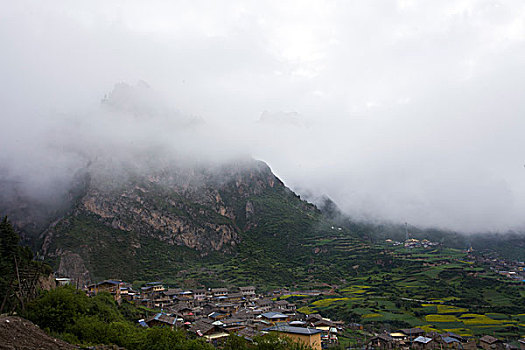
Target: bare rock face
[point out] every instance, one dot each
(204, 223)
(250, 210)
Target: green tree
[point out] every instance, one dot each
(16, 268)
(8, 241)
(168, 339)
(103, 306)
(58, 309)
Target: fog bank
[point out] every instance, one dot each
(399, 111)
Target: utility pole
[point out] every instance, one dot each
(406, 231)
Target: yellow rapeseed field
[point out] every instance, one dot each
(476, 319)
(327, 302)
(441, 318)
(448, 309)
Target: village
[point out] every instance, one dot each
(413, 243)
(512, 269)
(216, 313)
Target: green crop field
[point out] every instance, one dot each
(444, 297)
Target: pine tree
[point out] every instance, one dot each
(8, 253)
(18, 272)
(8, 241)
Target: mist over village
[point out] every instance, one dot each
(262, 175)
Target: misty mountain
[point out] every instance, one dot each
(198, 211)
(180, 222)
(139, 191)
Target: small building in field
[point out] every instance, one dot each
(247, 292)
(308, 336)
(108, 286)
(263, 304)
(424, 343)
(203, 328)
(219, 292)
(156, 286)
(489, 342)
(235, 297)
(248, 333)
(412, 333)
(199, 294)
(381, 341)
(398, 336)
(233, 324)
(274, 317)
(161, 320)
(450, 343)
(355, 326)
(62, 281)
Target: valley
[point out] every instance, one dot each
(205, 229)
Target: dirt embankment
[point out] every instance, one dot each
(20, 334)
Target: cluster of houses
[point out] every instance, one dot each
(509, 268)
(417, 338)
(216, 313)
(413, 243)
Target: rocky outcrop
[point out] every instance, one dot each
(47, 282)
(19, 333)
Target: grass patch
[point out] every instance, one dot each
(428, 328)
(475, 319)
(306, 310)
(355, 289)
(327, 302)
(464, 332)
(293, 296)
(448, 309)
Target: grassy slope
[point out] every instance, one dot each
(288, 243)
(112, 253)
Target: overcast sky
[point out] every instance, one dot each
(398, 110)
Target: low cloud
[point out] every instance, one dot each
(401, 111)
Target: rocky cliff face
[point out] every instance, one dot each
(205, 209)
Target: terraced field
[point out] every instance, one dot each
(432, 289)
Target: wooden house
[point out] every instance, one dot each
(412, 333)
(489, 342)
(425, 343)
(199, 294)
(108, 286)
(219, 292)
(381, 341)
(274, 317)
(161, 320)
(247, 292)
